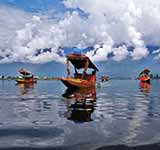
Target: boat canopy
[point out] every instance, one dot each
(24, 72)
(79, 61)
(145, 71)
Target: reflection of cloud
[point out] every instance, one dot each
(136, 124)
(110, 28)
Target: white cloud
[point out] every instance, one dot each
(128, 23)
(22, 34)
(157, 53)
(125, 21)
(120, 53)
(139, 53)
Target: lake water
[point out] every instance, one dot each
(44, 115)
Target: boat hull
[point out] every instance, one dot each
(26, 81)
(77, 83)
(145, 79)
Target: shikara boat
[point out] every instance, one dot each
(25, 77)
(80, 80)
(104, 78)
(144, 76)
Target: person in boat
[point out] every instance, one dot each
(84, 79)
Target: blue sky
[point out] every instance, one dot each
(29, 26)
(34, 5)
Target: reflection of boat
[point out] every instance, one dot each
(80, 104)
(144, 76)
(80, 80)
(145, 87)
(25, 87)
(25, 77)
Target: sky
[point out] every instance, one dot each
(123, 33)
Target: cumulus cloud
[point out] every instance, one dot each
(120, 53)
(25, 35)
(125, 21)
(157, 53)
(110, 27)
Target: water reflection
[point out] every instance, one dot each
(80, 104)
(122, 116)
(144, 87)
(24, 88)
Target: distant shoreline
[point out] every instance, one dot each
(48, 78)
(59, 78)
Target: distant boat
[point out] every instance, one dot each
(25, 77)
(104, 78)
(80, 80)
(144, 76)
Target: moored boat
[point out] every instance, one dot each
(80, 80)
(144, 76)
(25, 77)
(104, 78)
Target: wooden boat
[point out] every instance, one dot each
(80, 80)
(104, 78)
(25, 77)
(144, 76)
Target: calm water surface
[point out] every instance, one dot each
(46, 115)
